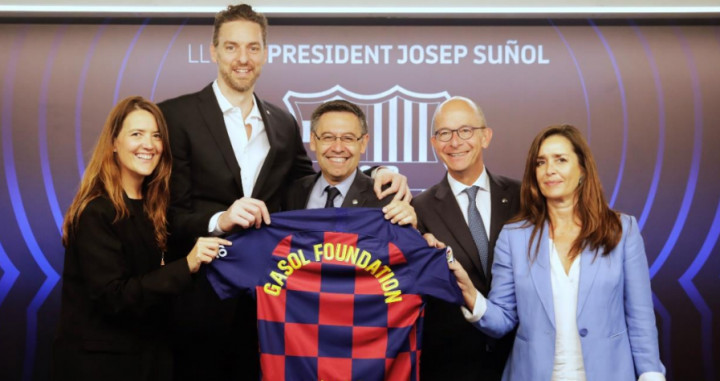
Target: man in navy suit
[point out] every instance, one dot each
(234, 157)
(452, 348)
(339, 137)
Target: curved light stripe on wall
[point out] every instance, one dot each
(623, 100)
(691, 182)
(666, 349)
(164, 57)
(686, 281)
(42, 131)
(10, 274)
(51, 276)
(126, 58)
(580, 76)
(79, 98)
(652, 192)
(694, 165)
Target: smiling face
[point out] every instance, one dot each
(463, 158)
(338, 159)
(137, 148)
(240, 55)
(558, 169)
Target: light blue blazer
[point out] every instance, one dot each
(615, 315)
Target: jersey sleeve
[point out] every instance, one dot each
(238, 267)
(433, 277)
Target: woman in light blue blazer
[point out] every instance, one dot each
(571, 274)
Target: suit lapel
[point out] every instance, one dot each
(215, 123)
(449, 210)
(272, 135)
(589, 266)
(358, 193)
(540, 272)
(501, 200)
(301, 194)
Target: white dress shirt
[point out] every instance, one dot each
(250, 153)
(482, 199)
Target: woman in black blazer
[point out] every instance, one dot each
(116, 284)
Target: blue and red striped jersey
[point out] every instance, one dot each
(339, 293)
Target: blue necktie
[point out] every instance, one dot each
(477, 227)
(332, 192)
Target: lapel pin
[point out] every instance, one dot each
(504, 200)
(355, 201)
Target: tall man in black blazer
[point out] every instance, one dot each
(339, 138)
(234, 157)
(452, 348)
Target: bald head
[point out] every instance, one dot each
(461, 107)
(462, 139)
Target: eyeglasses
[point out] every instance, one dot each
(344, 139)
(464, 133)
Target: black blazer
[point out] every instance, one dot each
(452, 348)
(360, 194)
(205, 180)
(206, 176)
(115, 299)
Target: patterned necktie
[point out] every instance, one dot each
(477, 227)
(332, 192)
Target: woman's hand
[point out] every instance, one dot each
(205, 250)
(466, 286)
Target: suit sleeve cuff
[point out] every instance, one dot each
(213, 228)
(652, 376)
(477, 312)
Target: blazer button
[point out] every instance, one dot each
(583, 332)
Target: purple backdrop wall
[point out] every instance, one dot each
(647, 97)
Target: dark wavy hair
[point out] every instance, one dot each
(339, 105)
(600, 226)
(239, 12)
(102, 175)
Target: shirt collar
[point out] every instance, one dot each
(457, 187)
(226, 106)
(343, 186)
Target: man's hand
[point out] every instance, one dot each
(401, 213)
(433, 242)
(204, 251)
(398, 185)
(245, 212)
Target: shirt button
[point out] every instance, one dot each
(583, 332)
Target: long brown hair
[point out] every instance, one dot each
(600, 225)
(102, 175)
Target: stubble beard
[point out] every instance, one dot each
(239, 85)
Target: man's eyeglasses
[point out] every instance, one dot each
(464, 133)
(344, 139)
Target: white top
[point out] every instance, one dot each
(482, 200)
(568, 365)
(249, 153)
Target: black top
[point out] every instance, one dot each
(115, 298)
